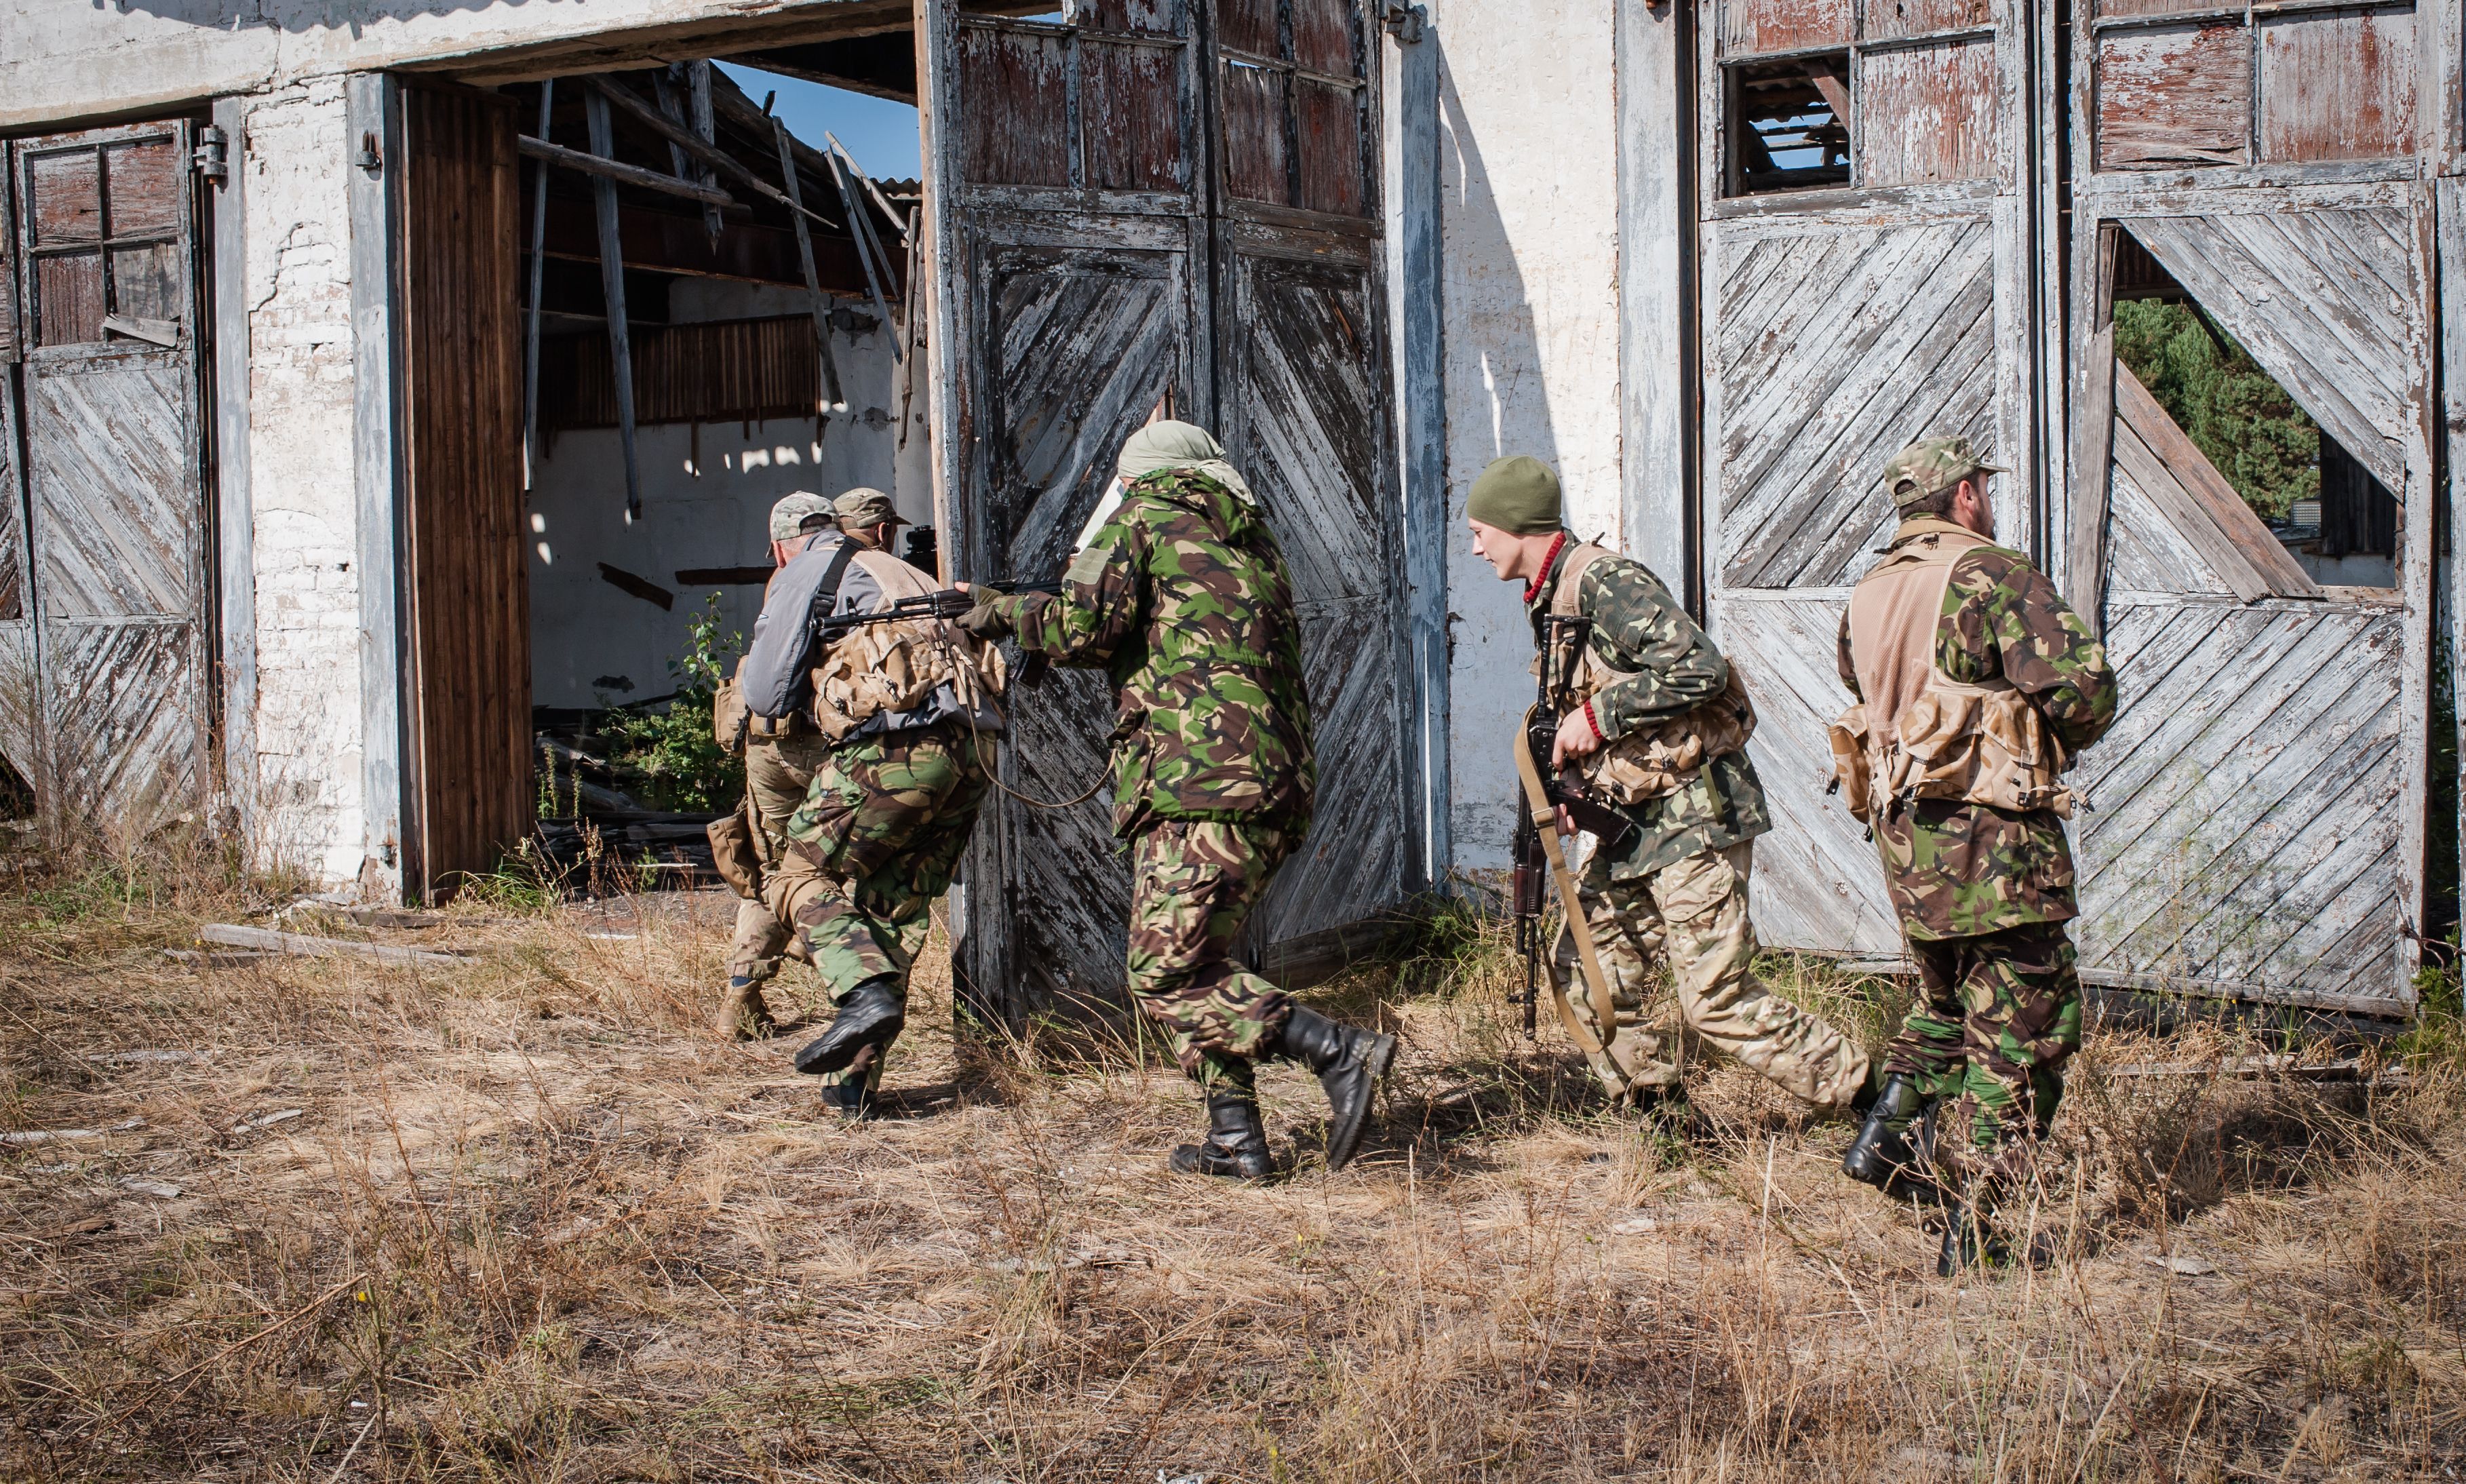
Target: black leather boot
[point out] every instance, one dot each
(872, 1015)
(1970, 1241)
(852, 1099)
(1235, 1146)
(1880, 1156)
(1348, 1062)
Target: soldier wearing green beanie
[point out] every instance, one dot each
(1653, 725)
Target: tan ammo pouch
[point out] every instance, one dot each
(729, 719)
(1851, 772)
(1656, 761)
(733, 851)
(1979, 744)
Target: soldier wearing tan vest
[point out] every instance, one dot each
(1978, 688)
(1654, 725)
(906, 712)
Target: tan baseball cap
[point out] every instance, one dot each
(789, 516)
(1930, 464)
(862, 506)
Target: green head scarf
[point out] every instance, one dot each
(1179, 445)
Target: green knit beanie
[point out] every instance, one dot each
(1518, 494)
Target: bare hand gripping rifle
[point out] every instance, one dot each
(1537, 852)
(948, 603)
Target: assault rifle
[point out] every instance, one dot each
(1562, 794)
(948, 603)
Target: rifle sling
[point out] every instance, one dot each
(1596, 989)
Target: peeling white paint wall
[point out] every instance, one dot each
(305, 526)
(78, 59)
(1528, 197)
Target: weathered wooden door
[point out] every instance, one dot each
(20, 729)
(1086, 268)
(1301, 363)
(2256, 815)
(467, 598)
(1868, 228)
(115, 521)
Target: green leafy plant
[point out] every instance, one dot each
(666, 755)
(2267, 447)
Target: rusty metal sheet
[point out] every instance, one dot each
(2337, 86)
(723, 370)
(1329, 128)
(1888, 20)
(1753, 26)
(1019, 79)
(2174, 96)
(1928, 113)
(1130, 98)
(467, 764)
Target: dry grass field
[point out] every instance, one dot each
(526, 1219)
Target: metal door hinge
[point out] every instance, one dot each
(371, 158)
(211, 158)
(1404, 22)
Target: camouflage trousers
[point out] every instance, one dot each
(1692, 916)
(777, 772)
(877, 837)
(1193, 884)
(1997, 1014)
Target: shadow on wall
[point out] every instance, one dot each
(1498, 403)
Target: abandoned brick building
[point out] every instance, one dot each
(374, 373)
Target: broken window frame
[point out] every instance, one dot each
(1849, 111)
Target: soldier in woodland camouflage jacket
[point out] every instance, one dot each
(1654, 725)
(1983, 891)
(1179, 593)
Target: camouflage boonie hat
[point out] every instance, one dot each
(789, 516)
(1930, 464)
(861, 506)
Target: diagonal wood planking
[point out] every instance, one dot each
(1301, 425)
(117, 524)
(1838, 345)
(2326, 301)
(2243, 824)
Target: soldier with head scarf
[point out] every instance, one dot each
(1181, 596)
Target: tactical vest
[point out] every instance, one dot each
(1650, 762)
(1920, 734)
(897, 666)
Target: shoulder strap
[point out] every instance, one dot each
(826, 597)
(1571, 573)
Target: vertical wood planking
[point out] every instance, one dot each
(1421, 396)
(469, 596)
(1131, 116)
(2337, 86)
(1928, 113)
(1019, 106)
(235, 512)
(373, 118)
(2174, 97)
(2094, 436)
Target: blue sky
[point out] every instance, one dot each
(880, 133)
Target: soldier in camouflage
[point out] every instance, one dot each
(1641, 695)
(880, 828)
(1983, 891)
(1179, 593)
(780, 757)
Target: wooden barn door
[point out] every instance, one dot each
(2257, 814)
(1154, 198)
(116, 523)
(1067, 212)
(466, 596)
(1866, 266)
(1301, 383)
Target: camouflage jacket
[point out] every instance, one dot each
(1956, 869)
(1183, 600)
(1637, 626)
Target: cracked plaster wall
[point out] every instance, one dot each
(305, 526)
